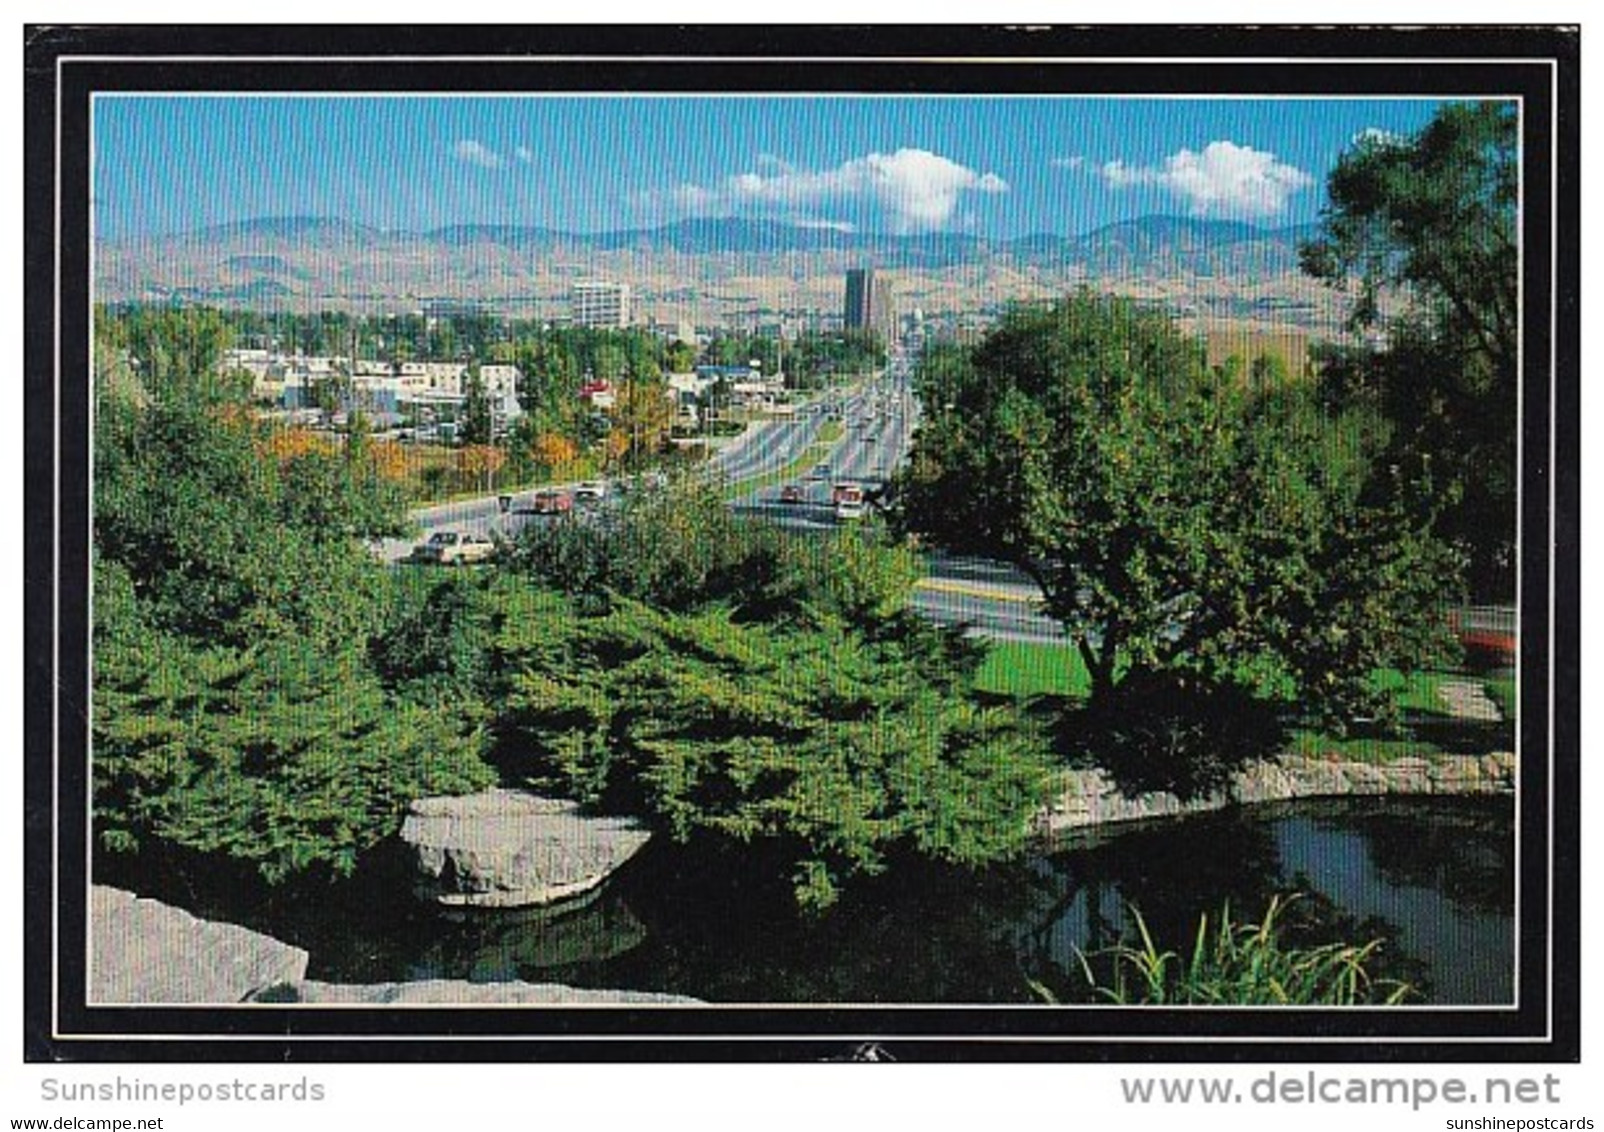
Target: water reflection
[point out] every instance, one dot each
(1432, 879)
(534, 945)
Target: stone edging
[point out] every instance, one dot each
(1090, 798)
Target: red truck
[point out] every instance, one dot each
(553, 502)
(1488, 632)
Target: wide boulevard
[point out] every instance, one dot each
(876, 422)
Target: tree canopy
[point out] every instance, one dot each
(236, 708)
(720, 681)
(1176, 521)
(1423, 231)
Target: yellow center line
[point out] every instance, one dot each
(965, 589)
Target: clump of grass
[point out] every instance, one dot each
(1242, 964)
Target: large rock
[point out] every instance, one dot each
(507, 848)
(457, 992)
(149, 953)
(1090, 798)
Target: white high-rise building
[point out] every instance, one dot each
(600, 304)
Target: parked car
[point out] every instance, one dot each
(454, 548)
(791, 493)
(551, 502)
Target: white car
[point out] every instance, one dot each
(593, 491)
(850, 508)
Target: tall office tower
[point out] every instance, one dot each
(868, 303)
(599, 304)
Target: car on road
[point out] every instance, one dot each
(849, 502)
(591, 491)
(851, 508)
(819, 472)
(454, 548)
(791, 493)
(551, 502)
(1488, 634)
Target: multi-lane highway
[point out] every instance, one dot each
(877, 421)
(875, 424)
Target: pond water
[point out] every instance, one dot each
(1432, 879)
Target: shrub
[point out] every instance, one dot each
(1241, 963)
(676, 548)
(838, 748)
(1175, 731)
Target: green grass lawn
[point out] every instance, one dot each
(1021, 669)
(1415, 691)
(1375, 749)
(1027, 671)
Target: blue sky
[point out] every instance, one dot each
(997, 167)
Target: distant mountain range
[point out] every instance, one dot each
(304, 260)
(1152, 241)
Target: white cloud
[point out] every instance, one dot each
(1224, 179)
(1068, 162)
(913, 189)
(477, 153)
(831, 225)
(524, 154)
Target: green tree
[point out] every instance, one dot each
(282, 753)
(1423, 230)
(609, 362)
(1269, 371)
(717, 679)
(679, 548)
(176, 351)
(679, 357)
(1176, 523)
(477, 425)
(815, 358)
(237, 710)
(642, 418)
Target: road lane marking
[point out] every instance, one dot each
(965, 589)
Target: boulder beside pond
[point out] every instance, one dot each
(148, 953)
(510, 849)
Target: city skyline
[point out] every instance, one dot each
(998, 167)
